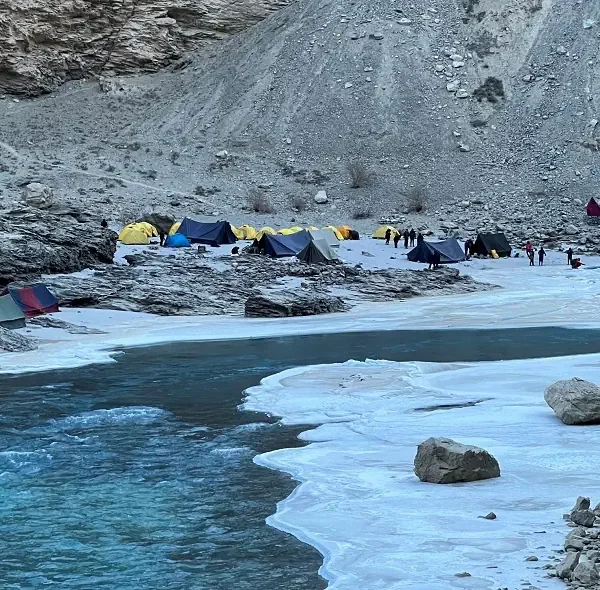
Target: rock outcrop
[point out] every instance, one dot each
(47, 42)
(288, 305)
(35, 243)
(575, 401)
(442, 460)
(10, 341)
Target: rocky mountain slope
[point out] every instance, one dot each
(45, 42)
(491, 106)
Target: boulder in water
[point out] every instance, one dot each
(443, 460)
(574, 401)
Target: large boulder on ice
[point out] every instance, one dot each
(442, 460)
(575, 401)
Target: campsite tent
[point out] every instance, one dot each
(177, 241)
(326, 235)
(485, 243)
(279, 246)
(313, 227)
(265, 230)
(134, 235)
(449, 250)
(174, 227)
(335, 230)
(296, 228)
(11, 315)
(317, 251)
(345, 231)
(237, 232)
(34, 300)
(286, 231)
(150, 230)
(380, 231)
(247, 231)
(213, 234)
(593, 209)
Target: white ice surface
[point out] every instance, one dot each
(376, 524)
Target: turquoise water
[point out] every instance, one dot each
(139, 474)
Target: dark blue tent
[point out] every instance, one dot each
(177, 241)
(279, 246)
(213, 234)
(449, 250)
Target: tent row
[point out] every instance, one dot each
(312, 246)
(18, 303)
(450, 250)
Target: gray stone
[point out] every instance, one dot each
(463, 147)
(321, 198)
(38, 195)
(586, 572)
(561, 50)
(588, 23)
(574, 540)
(574, 401)
(453, 86)
(489, 516)
(462, 93)
(10, 341)
(571, 230)
(567, 565)
(376, 36)
(161, 220)
(279, 305)
(532, 558)
(222, 154)
(581, 503)
(404, 21)
(584, 518)
(442, 460)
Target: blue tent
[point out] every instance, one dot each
(279, 246)
(177, 241)
(213, 234)
(449, 250)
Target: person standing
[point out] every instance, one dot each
(388, 235)
(406, 236)
(531, 256)
(528, 248)
(396, 239)
(468, 248)
(412, 236)
(436, 259)
(162, 237)
(420, 238)
(570, 255)
(541, 255)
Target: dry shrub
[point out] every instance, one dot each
(364, 213)
(298, 203)
(360, 175)
(416, 199)
(259, 203)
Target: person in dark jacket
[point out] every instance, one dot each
(531, 256)
(388, 235)
(468, 248)
(436, 259)
(396, 239)
(430, 260)
(541, 255)
(569, 255)
(420, 238)
(406, 236)
(162, 237)
(412, 236)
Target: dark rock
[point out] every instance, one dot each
(575, 401)
(36, 242)
(584, 518)
(442, 460)
(10, 341)
(160, 220)
(279, 305)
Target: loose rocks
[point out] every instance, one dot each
(442, 460)
(278, 306)
(10, 341)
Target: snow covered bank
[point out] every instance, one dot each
(376, 524)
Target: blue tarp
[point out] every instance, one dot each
(213, 234)
(450, 251)
(177, 241)
(280, 246)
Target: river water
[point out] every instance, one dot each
(139, 474)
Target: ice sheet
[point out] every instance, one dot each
(376, 524)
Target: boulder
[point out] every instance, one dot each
(586, 572)
(584, 518)
(280, 306)
(581, 503)
(321, 198)
(442, 460)
(36, 242)
(38, 195)
(574, 401)
(161, 220)
(567, 565)
(574, 540)
(10, 341)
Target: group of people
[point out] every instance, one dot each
(409, 237)
(530, 251)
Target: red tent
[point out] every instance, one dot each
(593, 209)
(34, 300)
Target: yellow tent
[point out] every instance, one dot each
(133, 234)
(237, 232)
(150, 230)
(345, 231)
(312, 227)
(249, 233)
(296, 229)
(265, 230)
(286, 231)
(336, 231)
(174, 227)
(380, 232)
